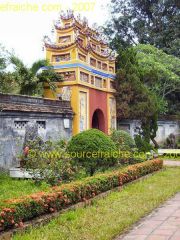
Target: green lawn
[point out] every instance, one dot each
(12, 188)
(108, 217)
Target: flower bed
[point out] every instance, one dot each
(60, 197)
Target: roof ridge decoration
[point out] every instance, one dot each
(69, 14)
(81, 28)
(88, 48)
(83, 22)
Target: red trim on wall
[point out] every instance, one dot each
(98, 100)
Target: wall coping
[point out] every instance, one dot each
(161, 118)
(22, 103)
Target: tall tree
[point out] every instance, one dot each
(7, 81)
(160, 72)
(31, 80)
(155, 22)
(134, 99)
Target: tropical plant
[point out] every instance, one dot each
(31, 80)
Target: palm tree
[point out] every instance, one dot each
(31, 80)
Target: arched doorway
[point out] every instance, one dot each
(98, 120)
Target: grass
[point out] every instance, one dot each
(111, 216)
(12, 188)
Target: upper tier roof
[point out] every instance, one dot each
(79, 24)
(87, 49)
(81, 30)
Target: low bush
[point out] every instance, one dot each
(127, 147)
(172, 142)
(48, 161)
(123, 140)
(142, 145)
(93, 150)
(60, 197)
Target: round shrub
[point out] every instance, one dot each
(93, 150)
(123, 140)
(126, 146)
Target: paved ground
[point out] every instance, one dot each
(162, 224)
(172, 163)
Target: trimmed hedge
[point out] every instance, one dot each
(60, 197)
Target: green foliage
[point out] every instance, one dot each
(148, 131)
(146, 22)
(134, 99)
(48, 161)
(142, 144)
(7, 81)
(31, 80)
(85, 146)
(122, 208)
(60, 197)
(170, 157)
(3, 60)
(24, 80)
(13, 188)
(123, 140)
(126, 146)
(149, 128)
(160, 72)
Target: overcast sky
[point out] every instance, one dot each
(24, 23)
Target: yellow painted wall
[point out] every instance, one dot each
(78, 86)
(109, 115)
(75, 102)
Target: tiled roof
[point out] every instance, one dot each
(19, 103)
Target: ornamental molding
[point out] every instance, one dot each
(81, 28)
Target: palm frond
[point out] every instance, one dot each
(17, 62)
(39, 64)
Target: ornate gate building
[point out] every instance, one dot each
(87, 66)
